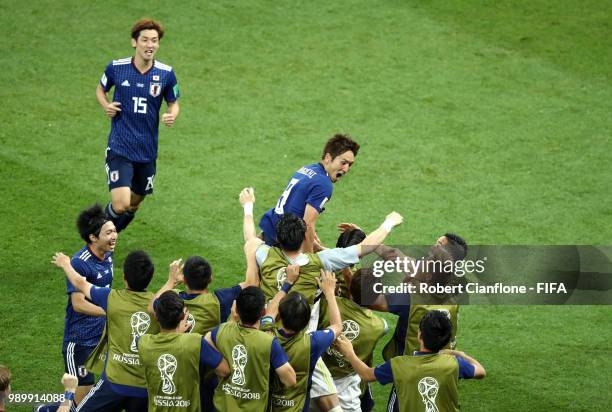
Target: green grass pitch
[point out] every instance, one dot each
(488, 118)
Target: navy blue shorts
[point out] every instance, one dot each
(122, 172)
(102, 398)
(75, 356)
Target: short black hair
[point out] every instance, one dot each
(169, 310)
(361, 287)
(350, 238)
(338, 144)
(138, 270)
(290, 232)
(250, 304)
(436, 329)
(197, 273)
(294, 311)
(90, 222)
(456, 246)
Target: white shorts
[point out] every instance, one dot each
(313, 323)
(322, 382)
(349, 392)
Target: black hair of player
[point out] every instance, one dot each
(290, 232)
(456, 245)
(138, 270)
(350, 238)
(338, 144)
(250, 304)
(361, 287)
(294, 311)
(169, 310)
(436, 329)
(197, 273)
(90, 222)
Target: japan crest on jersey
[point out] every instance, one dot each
(155, 89)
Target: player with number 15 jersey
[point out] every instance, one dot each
(140, 85)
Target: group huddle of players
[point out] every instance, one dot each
(297, 334)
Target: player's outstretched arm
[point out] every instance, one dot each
(346, 348)
(327, 283)
(374, 239)
(175, 277)
(78, 281)
(479, 370)
(247, 200)
(169, 118)
(252, 270)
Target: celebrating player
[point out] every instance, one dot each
(253, 354)
(304, 349)
(85, 321)
(141, 83)
(310, 188)
(122, 384)
(172, 358)
(426, 379)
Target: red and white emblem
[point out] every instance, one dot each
(155, 89)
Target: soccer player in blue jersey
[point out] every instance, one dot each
(140, 83)
(85, 321)
(310, 188)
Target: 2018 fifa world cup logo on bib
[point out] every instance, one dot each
(428, 388)
(140, 322)
(239, 361)
(190, 323)
(350, 330)
(167, 365)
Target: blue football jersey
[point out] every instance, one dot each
(135, 128)
(310, 185)
(83, 329)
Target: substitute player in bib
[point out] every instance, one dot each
(172, 358)
(427, 379)
(310, 188)
(140, 83)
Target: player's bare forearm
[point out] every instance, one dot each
(101, 96)
(374, 239)
(252, 270)
(310, 218)
(171, 114)
(364, 371)
(81, 305)
(174, 109)
(309, 239)
(335, 319)
(272, 309)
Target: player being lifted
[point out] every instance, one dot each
(310, 188)
(141, 83)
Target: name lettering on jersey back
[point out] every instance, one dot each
(307, 172)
